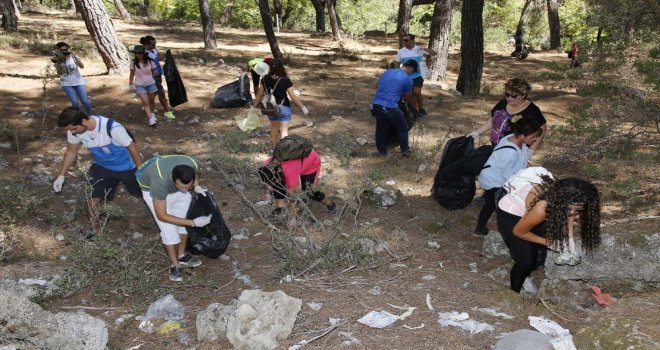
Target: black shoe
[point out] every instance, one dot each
(406, 154)
(332, 209)
(480, 231)
(176, 275)
(189, 260)
(479, 200)
(277, 213)
(422, 113)
(89, 235)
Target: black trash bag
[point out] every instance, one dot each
(176, 92)
(213, 239)
(452, 187)
(410, 114)
(235, 94)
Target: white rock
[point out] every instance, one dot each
(361, 141)
(137, 235)
(212, 322)
(433, 244)
(340, 191)
(59, 237)
(421, 168)
(390, 182)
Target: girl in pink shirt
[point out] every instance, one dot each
(291, 177)
(141, 81)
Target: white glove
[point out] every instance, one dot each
(131, 87)
(201, 221)
(305, 110)
(200, 190)
(57, 185)
(474, 135)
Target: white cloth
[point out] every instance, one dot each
(415, 52)
(518, 187)
(70, 73)
(177, 204)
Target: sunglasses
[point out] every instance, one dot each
(510, 95)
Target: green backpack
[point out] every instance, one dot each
(292, 147)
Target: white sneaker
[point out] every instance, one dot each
(529, 286)
(152, 120)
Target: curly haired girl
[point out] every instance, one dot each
(552, 207)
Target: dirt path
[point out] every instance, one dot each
(337, 90)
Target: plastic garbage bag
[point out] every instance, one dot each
(234, 94)
(213, 239)
(176, 92)
(250, 122)
(167, 308)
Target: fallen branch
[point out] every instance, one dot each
(81, 307)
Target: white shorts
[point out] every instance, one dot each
(176, 205)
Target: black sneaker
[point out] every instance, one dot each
(332, 209)
(479, 200)
(176, 275)
(422, 113)
(189, 260)
(277, 213)
(480, 231)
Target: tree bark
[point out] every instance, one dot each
(102, 30)
(439, 40)
(122, 10)
(520, 30)
(144, 8)
(422, 2)
(334, 23)
(73, 5)
(319, 8)
(207, 25)
(553, 23)
(472, 48)
(403, 19)
(226, 14)
(277, 12)
(9, 15)
(264, 10)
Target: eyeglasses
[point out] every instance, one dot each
(510, 95)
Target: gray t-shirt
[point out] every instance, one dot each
(157, 175)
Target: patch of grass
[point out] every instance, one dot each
(628, 186)
(344, 149)
(650, 69)
(335, 257)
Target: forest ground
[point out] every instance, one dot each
(336, 84)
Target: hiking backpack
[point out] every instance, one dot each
(501, 121)
(452, 187)
(292, 147)
(476, 160)
(269, 105)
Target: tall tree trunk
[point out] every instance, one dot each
(73, 5)
(277, 12)
(472, 48)
(553, 22)
(287, 14)
(264, 10)
(334, 23)
(226, 14)
(207, 25)
(144, 8)
(122, 10)
(9, 15)
(403, 19)
(439, 40)
(319, 8)
(520, 30)
(102, 30)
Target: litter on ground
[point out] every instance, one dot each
(462, 320)
(562, 338)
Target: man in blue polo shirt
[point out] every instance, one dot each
(392, 85)
(115, 157)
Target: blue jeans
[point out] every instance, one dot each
(386, 119)
(77, 95)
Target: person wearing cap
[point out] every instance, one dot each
(149, 43)
(258, 68)
(411, 51)
(392, 85)
(141, 81)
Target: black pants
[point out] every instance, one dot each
(488, 208)
(526, 255)
(306, 181)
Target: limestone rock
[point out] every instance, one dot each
(212, 321)
(382, 197)
(36, 327)
(494, 245)
(262, 318)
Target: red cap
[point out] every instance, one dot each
(269, 60)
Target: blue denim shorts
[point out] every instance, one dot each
(284, 116)
(146, 88)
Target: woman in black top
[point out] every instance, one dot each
(278, 82)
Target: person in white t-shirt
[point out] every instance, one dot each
(115, 158)
(415, 52)
(68, 65)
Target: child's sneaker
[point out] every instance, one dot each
(169, 115)
(189, 260)
(176, 274)
(152, 120)
(332, 209)
(529, 286)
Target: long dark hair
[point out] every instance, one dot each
(145, 59)
(560, 194)
(277, 68)
(524, 125)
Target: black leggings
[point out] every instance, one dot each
(488, 208)
(306, 181)
(526, 255)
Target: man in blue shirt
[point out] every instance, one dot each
(392, 85)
